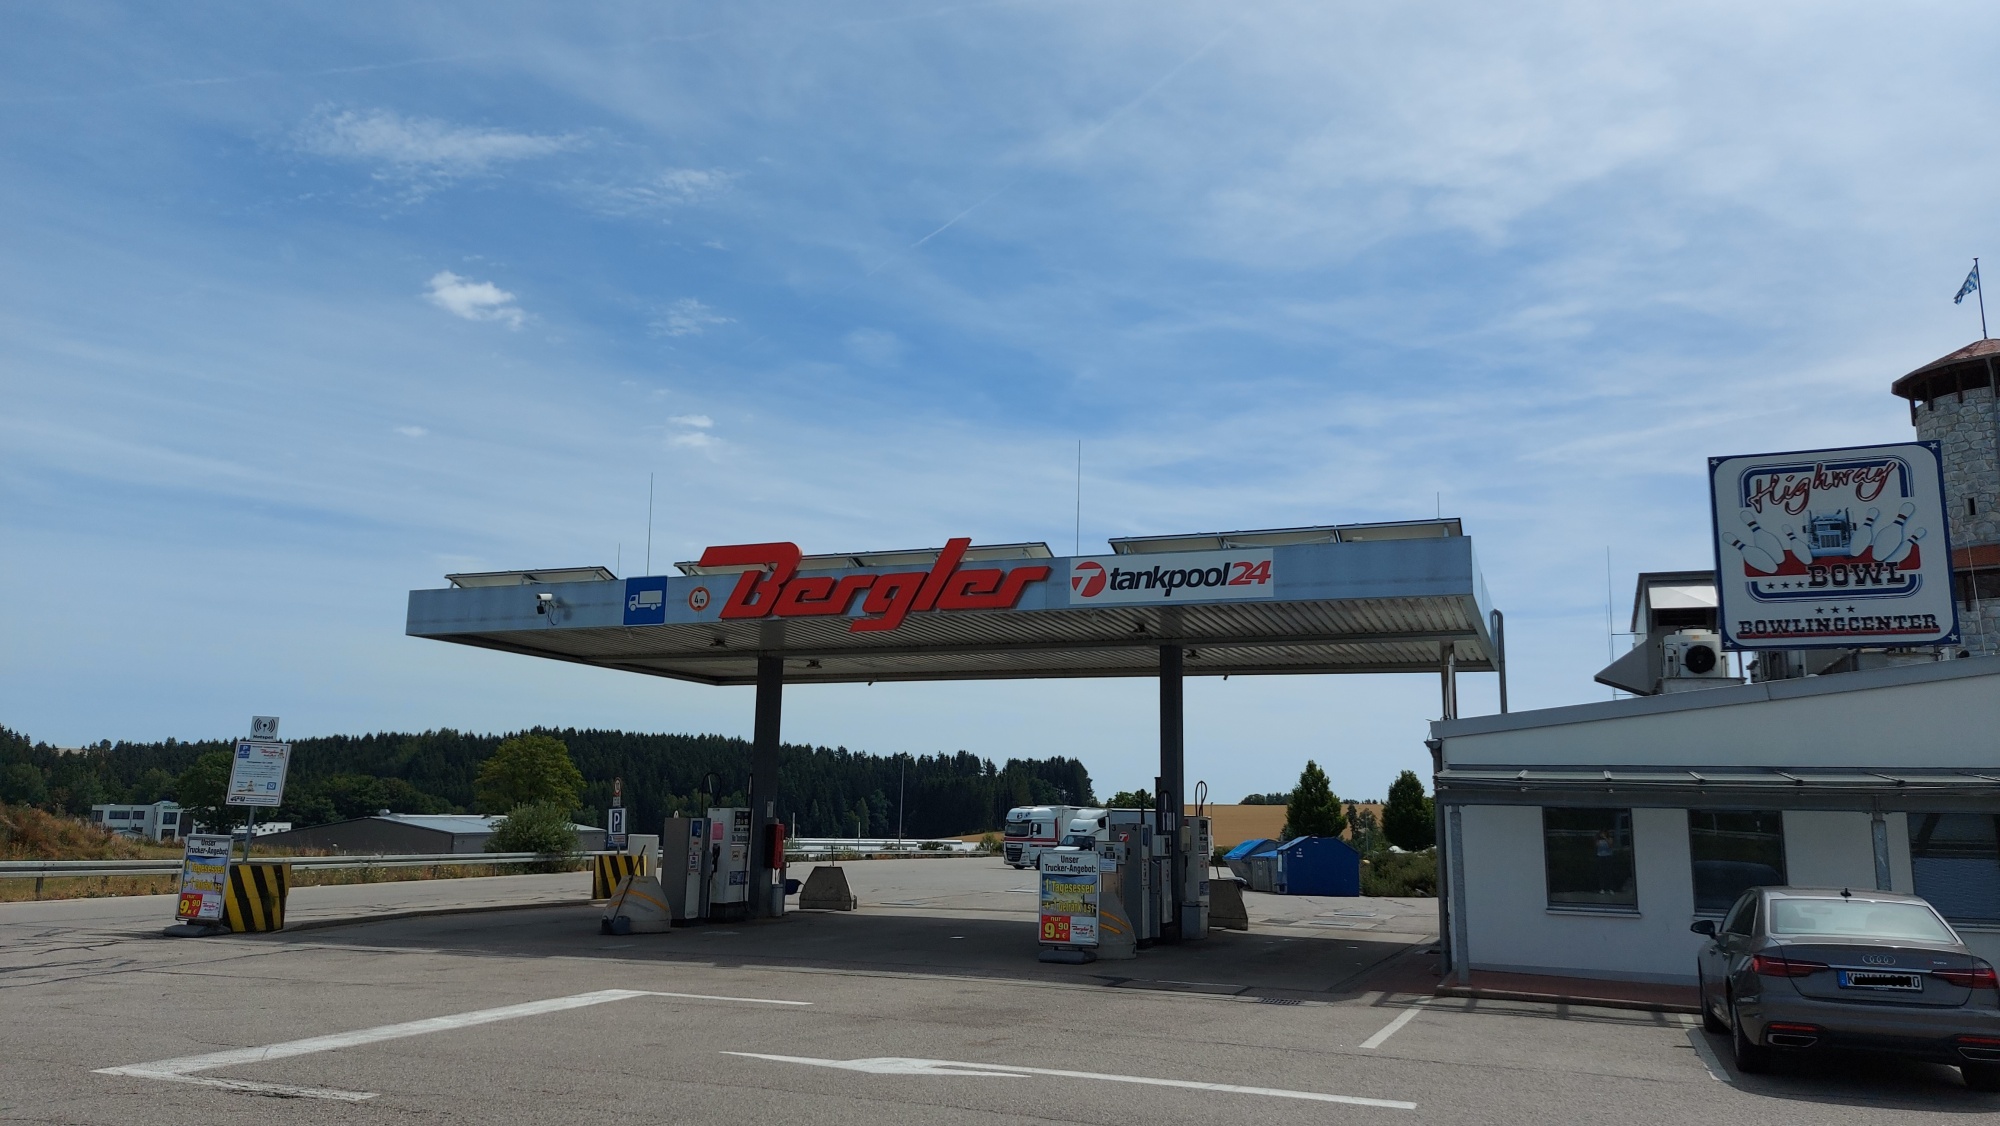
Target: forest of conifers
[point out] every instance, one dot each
(832, 791)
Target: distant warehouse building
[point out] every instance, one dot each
(408, 833)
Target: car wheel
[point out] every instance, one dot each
(1981, 1076)
(1750, 1059)
(1709, 1021)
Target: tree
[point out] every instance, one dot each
(1313, 811)
(1131, 799)
(542, 827)
(1363, 833)
(22, 784)
(528, 770)
(202, 787)
(1409, 819)
(1265, 799)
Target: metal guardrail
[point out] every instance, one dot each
(53, 869)
(815, 845)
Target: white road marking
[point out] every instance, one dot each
(902, 1065)
(182, 1069)
(1699, 1039)
(1396, 1025)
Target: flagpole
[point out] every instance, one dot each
(1981, 291)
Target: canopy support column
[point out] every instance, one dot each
(1173, 770)
(764, 780)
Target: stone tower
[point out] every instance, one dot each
(1952, 403)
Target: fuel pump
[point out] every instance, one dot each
(1197, 847)
(729, 863)
(685, 868)
(1139, 882)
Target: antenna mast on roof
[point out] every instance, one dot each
(1078, 548)
(649, 523)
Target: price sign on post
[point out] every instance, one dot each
(1069, 898)
(204, 878)
(257, 776)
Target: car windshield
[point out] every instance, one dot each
(1858, 918)
(1080, 840)
(1020, 828)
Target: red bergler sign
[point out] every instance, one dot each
(775, 589)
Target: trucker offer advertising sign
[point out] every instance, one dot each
(1069, 898)
(1833, 548)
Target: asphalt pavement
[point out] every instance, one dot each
(906, 1011)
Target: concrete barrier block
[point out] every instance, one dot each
(826, 890)
(638, 906)
(1225, 906)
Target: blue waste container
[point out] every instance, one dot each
(1317, 866)
(1238, 858)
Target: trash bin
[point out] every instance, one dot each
(1317, 866)
(1238, 858)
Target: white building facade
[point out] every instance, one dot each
(1583, 841)
(160, 821)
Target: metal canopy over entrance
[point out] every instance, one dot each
(1355, 598)
(1386, 598)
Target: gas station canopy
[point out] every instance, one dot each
(1356, 598)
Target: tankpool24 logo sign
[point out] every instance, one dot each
(1820, 548)
(1190, 576)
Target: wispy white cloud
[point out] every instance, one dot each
(686, 317)
(662, 192)
(695, 440)
(475, 301)
(698, 421)
(411, 431)
(421, 150)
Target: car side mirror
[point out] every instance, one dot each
(1704, 926)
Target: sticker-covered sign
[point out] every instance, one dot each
(1833, 548)
(204, 877)
(1069, 897)
(257, 776)
(1189, 576)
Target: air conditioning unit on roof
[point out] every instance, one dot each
(1693, 659)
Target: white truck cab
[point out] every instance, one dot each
(1034, 829)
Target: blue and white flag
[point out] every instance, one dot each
(1971, 284)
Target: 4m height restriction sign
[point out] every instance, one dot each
(1833, 548)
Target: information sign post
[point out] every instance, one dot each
(257, 773)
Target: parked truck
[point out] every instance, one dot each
(1033, 829)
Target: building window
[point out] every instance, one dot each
(1589, 858)
(120, 815)
(1734, 851)
(1977, 586)
(170, 818)
(1955, 861)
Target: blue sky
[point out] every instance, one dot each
(302, 307)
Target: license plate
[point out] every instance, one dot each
(1867, 979)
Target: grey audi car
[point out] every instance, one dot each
(1792, 969)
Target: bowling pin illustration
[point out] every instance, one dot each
(1756, 557)
(1865, 534)
(1891, 536)
(1771, 545)
(1902, 551)
(1797, 547)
